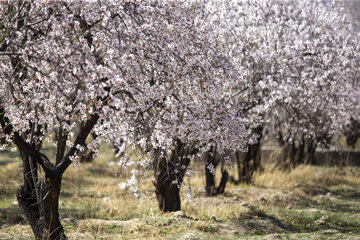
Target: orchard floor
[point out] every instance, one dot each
(308, 202)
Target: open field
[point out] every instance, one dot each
(310, 202)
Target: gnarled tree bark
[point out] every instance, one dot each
(168, 176)
(40, 199)
(43, 216)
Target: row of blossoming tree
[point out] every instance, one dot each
(299, 70)
(174, 79)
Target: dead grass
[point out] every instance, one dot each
(308, 202)
(306, 175)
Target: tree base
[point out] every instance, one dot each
(36, 215)
(212, 190)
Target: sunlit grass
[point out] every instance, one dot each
(307, 201)
(307, 175)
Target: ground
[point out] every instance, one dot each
(309, 202)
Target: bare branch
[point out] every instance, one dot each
(61, 144)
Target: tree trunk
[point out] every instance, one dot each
(169, 174)
(40, 200)
(212, 159)
(299, 153)
(292, 155)
(210, 165)
(280, 139)
(43, 216)
(309, 157)
(251, 162)
(224, 179)
(352, 132)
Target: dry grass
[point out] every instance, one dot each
(300, 204)
(306, 175)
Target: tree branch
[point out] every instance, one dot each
(80, 140)
(61, 145)
(40, 158)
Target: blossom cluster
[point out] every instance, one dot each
(198, 71)
(145, 68)
(298, 63)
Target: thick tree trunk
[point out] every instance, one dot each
(299, 154)
(210, 187)
(212, 159)
(251, 161)
(309, 157)
(40, 200)
(167, 192)
(43, 216)
(169, 174)
(352, 132)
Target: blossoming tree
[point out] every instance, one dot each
(172, 78)
(351, 125)
(294, 60)
(135, 69)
